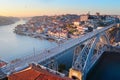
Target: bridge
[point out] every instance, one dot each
(95, 43)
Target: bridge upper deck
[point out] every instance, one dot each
(55, 51)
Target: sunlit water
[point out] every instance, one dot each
(14, 46)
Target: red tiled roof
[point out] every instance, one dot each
(35, 73)
(2, 63)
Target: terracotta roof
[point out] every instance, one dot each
(35, 73)
(2, 63)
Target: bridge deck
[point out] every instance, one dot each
(55, 51)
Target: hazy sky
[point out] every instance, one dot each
(51, 7)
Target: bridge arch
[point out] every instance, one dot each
(93, 48)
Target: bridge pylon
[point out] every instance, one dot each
(75, 74)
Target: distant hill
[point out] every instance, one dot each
(7, 20)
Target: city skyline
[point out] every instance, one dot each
(26, 8)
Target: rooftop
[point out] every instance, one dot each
(2, 63)
(34, 72)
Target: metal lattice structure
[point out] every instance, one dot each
(90, 53)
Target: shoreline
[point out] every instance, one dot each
(7, 24)
(42, 37)
(4, 21)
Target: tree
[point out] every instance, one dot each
(61, 67)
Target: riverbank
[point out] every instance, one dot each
(42, 37)
(13, 46)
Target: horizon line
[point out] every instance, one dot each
(59, 14)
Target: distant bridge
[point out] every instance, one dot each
(96, 43)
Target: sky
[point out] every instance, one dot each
(26, 8)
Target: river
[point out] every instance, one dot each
(107, 68)
(13, 46)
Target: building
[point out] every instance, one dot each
(76, 23)
(58, 34)
(37, 72)
(84, 17)
(97, 14)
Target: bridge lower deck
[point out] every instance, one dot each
(107, 68)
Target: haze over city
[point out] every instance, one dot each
(26, 8)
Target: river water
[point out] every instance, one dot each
(13, 46)
(107, 68)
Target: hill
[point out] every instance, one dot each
(7, 20)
